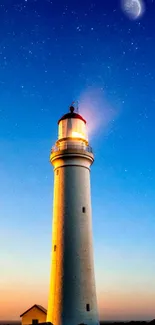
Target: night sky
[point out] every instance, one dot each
(51, 53)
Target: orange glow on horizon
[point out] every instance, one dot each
(111, 305)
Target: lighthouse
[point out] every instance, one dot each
(72, 294)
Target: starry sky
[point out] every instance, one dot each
(51, 53)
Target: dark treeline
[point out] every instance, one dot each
(101, 323)
(152, 322)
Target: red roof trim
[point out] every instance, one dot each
(72, 115)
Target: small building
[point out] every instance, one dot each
(34, 315)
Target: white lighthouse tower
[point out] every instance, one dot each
(72, 295)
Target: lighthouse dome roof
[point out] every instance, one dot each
(72, 114)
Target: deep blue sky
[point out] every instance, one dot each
(53, 52)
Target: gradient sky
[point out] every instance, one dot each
(53, 52)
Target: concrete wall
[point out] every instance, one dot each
(72, 283)
(34, 313)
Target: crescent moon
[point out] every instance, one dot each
(139, 7)
(133, 8)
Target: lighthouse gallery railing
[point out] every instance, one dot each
(66, 146)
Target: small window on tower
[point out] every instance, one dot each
(88, 307)
(83, 209)
(57, 172)
(55, 247)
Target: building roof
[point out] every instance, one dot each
(37, 306)
(72, 114)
